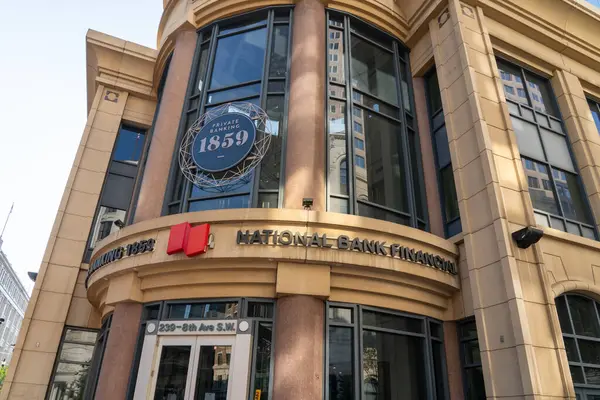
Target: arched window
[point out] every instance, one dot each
(580, 324)
(243, 59)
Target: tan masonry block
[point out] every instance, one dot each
(49, 249)
(500, 142)
(492, 113)
(106, 122)
(590, 176)
(79, 312)
(467, 297)
(479, 213)
(74, 227)
(576, 129)
(32, 302)
(67, 252)
(594, 152)
(539, 319)
(448, 28)
(451, 70)
(472, 179)
(303, 279)
(462, 121)
(95, 319)
(474, 39)
(480, 62)
(80, 291)
(497, 324)
(582, 108)
(52, 306)
(486, 86)
(447, 48)
(491, 285)
(466, 148)
(43, 336)
(60, 279)
(78, 156)
(141, 106)
(582, 156)
(88, 181)
(483, 245)
(82, 204)
(549, 384)
(566, 106)
(457, 94)
(112, 102)
(509, 382)
(514, 205)
(34, 367)
(507, 172)
(57, 222)
(531, 282)
(124, 288)
(25, 391)
(94, 160)
(101, 140)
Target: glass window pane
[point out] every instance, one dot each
(172, 373)
(213, 373)
(239, 59)
(390, 321)
(512, 82)
(337, 91)
(573, 228)
(584, 316)
(276, 86)
(595, 114)
(557, 223)
(270, 166)
(384, 355)
(563, 315)
(451, 209)
(76, 352)
(335, 49)
(474, 384)
(381, 179)
(435, 330)
(588, 233)
(105, 223)
(569, 194)
(214, 310)
(129, 147)
(434, 97)
(472, 352)
(576, 374)
(541, 95)
(338, 165)
(75, 335)
(338, 314)
(528, 138)
(238, 26)
(341, 385)
(541, 220)
(468, 330)
(202, 66)
(69, 381)
(268, 200)
(220, 203)
(571, 348)
(557, 150)
(365, 210)
(374, 104)
(234, 94)
(439, 369)
(262, 362)
(555, 125)
(414, 152)
(279, 51)
(178, 311)
(592, 376)
(442, 148)
(338, 205)
(527, 113)
(373, 70)
(590, 351)
(542, 198)
(260, 310)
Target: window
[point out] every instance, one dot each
(387, 178)
(359, 144)
(97, 358)
(232, 59)
(117, 190)
(332, 108)
(521, 92)
(559, 202)
(333, 69)
(505, 76)
(333, 57)
(395, 356)
(447, 187)
(471, 361)
(595, 109)
(580, 325)
(72, 365)
(334, 46)
(509, 89)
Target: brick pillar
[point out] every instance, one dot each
(305, 148)
(299, 334)
(118, 356)
(164, 137)
(453, 367)
(516, 321)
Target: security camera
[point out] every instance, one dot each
(120, 224)
(527, 236)
(307, 203)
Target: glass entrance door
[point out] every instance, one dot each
(193, 368)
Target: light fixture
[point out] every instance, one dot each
(32, 275)
(527, 236)
(120, 224)
(307, 203)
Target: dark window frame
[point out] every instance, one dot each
(452, 226)
(178, 195)
(512, 106)
(406, 118)
(594, 104)
(358, 327)
(463, 363)
(98, 357)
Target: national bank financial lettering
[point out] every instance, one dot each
(342, 242)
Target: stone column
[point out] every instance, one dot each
(305, 148)
(299, 334)
(453, 367)
(164, 137)
(516, 324)
(120, 348)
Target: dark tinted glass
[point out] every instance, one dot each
(563, 315)
(541, 95)
(414, 150)
(475, 386)
(220, 203)
(279, 51)
(592, 376)
(271, 163)
(262, 362)
(468, 330)
(384, 355)
(442, 148)
(338, 314)
(389, 321)
(335, 51)
(239, 58)
(338, 181)
(569, 194)
(542, 199)
(595, 114)
(435, 330)
(341, 386)
(238, 26)
(214, 310)
(438, 369)
(369, 211)
(172, 373)
(202, 64)
(152, 312)
(234, 94)
(129, 147)
(260, 310)
(213, 373)
(373, 104)
(584, 316)
(449, 187)
(590, 351)
(177, 311)
(373, 70)
(577, 374)
(434, 97)
(571, 348)
(471, 352)
(512, 83)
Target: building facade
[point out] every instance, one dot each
(329, 199)
(13, 302)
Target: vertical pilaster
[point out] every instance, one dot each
(582, 133)
(516, 320)
(305, 147)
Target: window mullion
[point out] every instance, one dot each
(555, 188)
(404, 144)
(352, 204)
(573, 329)
(286, 97)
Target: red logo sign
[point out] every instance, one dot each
(191, 240)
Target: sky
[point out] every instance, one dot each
(43, 106)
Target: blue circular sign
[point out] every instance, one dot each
(223, 142)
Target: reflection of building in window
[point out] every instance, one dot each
(105, 223)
